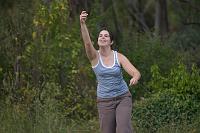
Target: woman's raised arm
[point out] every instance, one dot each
(89, 48)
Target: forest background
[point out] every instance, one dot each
(46, 80)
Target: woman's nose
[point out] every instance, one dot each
(103, 37)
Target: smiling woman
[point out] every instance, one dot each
(104, 38)
(114, 99)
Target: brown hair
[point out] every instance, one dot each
(110, 33)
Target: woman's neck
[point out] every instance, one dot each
(105, 51)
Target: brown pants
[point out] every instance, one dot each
(115, 114)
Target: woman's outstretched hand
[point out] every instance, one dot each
(83, 16)
(133, 81)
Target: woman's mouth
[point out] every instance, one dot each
(103, 41)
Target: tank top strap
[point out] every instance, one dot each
(99, 59)
(99, 56)
(116, 58)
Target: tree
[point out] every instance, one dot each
(161, 17)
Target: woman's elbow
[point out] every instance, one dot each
(138, 75)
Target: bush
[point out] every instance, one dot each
(51, 109)
(174, 99)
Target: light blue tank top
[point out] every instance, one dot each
(110, 79)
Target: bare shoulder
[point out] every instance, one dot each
(121, 57)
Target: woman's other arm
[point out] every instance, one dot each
(130, 69)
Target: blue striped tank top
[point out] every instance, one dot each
(110, 79)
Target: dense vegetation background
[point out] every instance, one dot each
(46, 80)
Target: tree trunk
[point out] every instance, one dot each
(161, 18)
(135, 10)
(118, 31)
(17, 73)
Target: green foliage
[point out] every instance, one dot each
(179, 82)
(174, 99)
(56, 52)
(57, 84)
(52, 67)
(144, 50)
(15, 34)
(42, 117)
(186, 44)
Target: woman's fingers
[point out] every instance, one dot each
(83, 16)
(133, 81)
(83, 12)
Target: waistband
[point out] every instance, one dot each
(127, 94)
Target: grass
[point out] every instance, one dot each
(13, 120)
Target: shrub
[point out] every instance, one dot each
(174, 99)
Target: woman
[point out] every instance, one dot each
(114, 100)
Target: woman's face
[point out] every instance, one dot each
(104, 38)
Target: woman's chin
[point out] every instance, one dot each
(103, 45)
